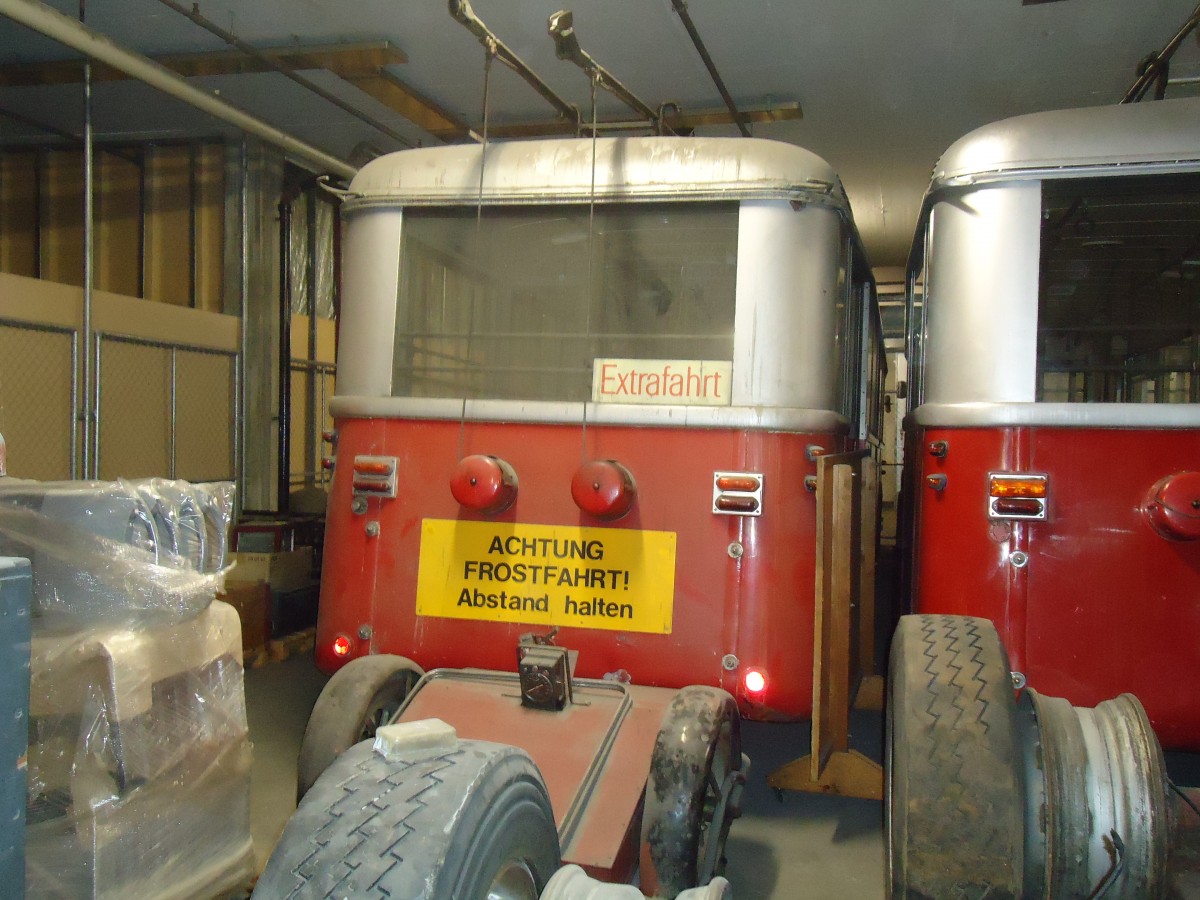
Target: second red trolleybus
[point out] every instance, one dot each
(1052, 506)
(583, 385)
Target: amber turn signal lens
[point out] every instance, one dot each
(1028, 486)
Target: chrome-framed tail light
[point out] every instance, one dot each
(1018, 496)
(737, 493)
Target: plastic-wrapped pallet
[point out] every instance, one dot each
(117, 553)
(139, 757)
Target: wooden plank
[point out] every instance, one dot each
(846, 773)
(417, 108)
(847, 492)
(19, 213)
(820, 746)
(117, 248)
(168, 226)
(866, 615)
(838, 631)
(783, 112)
(363, 65)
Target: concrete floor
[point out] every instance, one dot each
(795, 845)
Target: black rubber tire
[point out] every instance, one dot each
(698, 747)
(437, 825)
(954, 771)
(361, 696)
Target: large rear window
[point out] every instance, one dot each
(1119, 295)
(516, 303)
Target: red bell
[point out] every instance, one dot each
(1173, 506)
(604, 489)
(486, 484)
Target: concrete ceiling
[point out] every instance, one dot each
(884, 85)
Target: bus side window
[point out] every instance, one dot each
(1119, 290)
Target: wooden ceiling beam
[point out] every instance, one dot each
(680, 122)
(364, 65)
(417, 108)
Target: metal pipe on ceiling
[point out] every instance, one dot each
(1154, 69)
(55, 25)
(680, 7)
(266, 59)
(463, 13)
(561, 26)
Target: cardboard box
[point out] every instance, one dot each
(252, 600)
(284, 571)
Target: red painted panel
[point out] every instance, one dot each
(758, 607)
(1105, 604)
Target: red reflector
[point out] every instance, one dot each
(1017, 485)
(737, 504)
(1017, 507)
(372, 487)
(341, 646)
(372, 467)
(754, 681)
(745, 483)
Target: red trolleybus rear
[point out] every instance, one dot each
(580, 387)
(1053, 447)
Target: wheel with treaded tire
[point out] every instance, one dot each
(954, 767)
(470, 823)
(362, 695)
(693, 791)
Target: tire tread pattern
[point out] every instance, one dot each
(372, 828)
(956, 812)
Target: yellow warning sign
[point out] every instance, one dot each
(614, 578)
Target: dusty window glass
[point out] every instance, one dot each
(516, 302)
(1119, 294)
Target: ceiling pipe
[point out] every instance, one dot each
(561, 26)
(463, 14)
(1155, 67)
(67, 31)
(681, 10)
(234, 41)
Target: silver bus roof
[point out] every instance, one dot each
(577, 169)
(1118, 139)
(1055, 142)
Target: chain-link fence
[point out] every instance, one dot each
(38, 399)
(163, 408)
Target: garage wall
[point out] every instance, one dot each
(196, 228)
(159, 218)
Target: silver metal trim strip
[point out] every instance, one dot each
(573, 413)
(1058, 415)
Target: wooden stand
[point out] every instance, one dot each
(844, 628)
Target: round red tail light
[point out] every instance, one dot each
(604, 489)
(754, 681)
(486, 484)
(342, 646)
